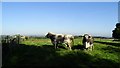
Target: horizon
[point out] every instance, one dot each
(44, 35)
(76, 18)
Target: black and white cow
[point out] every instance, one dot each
(60, 38)
(87, 41)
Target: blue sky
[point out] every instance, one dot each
(77, 18)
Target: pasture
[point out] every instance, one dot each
(41, 53)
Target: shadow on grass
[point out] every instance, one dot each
(109, 43)
(46, 56)
(110, 49)
(81, 47)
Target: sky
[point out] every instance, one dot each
(77, 18)
(60, 0)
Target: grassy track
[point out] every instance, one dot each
(40, 52)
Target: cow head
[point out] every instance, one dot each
(86, 36)
(49, 34)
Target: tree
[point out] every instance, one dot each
(116, 32)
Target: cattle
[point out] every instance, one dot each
(87, 41)
(24, 37)
(57, 39)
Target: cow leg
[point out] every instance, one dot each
(66, 45)
(69, 46)
(55, 44)
(85, 45)
(92, 47)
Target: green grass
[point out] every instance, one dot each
(40, 52)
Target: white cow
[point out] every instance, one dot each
(60, 38)
(87, 41)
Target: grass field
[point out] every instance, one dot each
(40, 52)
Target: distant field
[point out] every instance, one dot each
(40, 52)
